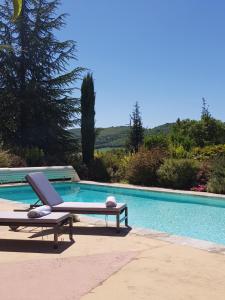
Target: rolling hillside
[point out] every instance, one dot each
(115, 137)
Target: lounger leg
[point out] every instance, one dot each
(118, 222)
(13, 227)
(56, 234)
(71, 228)
(126, 216)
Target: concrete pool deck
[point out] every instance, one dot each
(104, 265)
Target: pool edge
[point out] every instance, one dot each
(154, 189)
(164, 236)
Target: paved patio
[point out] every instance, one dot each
(104, 265)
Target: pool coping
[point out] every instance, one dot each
(162, 236)
(154, 189)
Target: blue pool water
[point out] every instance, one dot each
(192, 216)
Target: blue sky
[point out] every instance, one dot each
(165, 54)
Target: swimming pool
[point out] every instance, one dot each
(180, 214)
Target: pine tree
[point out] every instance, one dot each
(136, 135)
(205, 116)
(36, 103)
(88, 119)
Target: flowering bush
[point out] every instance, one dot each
(208, 152)
(199, 188)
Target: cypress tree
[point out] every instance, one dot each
(88, 119)
(136, 135)
(36, 102)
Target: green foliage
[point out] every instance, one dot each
(75, 159)
(17, 4)
(178, 173)
(116, 137)
(183, 134)
(156, 141)
(178, 152)
(143, 166)
(111, 137)
(191, 133)
(216, 183)
(36, 102)
(204, 173)
(98, 170)
(4, 159)
(136, 135)
(88, 119)
(17, 161)
(164, 129)
(208, 152)
(115, 162)
(34, 157)
(8, 160)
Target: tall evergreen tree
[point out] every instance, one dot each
(36, 103)
(205, 116)
(88, 119)
(136, 135)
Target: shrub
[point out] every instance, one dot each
(216, 183)
(199, 188)
(204, 173)
(98, 171)
(208, 152)
(178, 173)
(75, 159)
(114, 162)
(17, 161)
(4, 159)
(178, 152)
(156, 141)
(8, 160)
(124, 163)
(34, 157)
(143, 166)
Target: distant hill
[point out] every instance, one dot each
(161, 129)
(115, 137)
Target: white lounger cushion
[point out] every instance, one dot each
(87, 206)
(44, 189)
(21, 217)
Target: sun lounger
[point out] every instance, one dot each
(48, 196)
(56, 220)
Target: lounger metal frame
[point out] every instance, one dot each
(106, 212)
(57, 227)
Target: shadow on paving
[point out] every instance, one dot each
(104, 231)
(29, 246)
(46, 246)
(85, 230)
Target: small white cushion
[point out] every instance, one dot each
(110, 202)
(39, 212)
